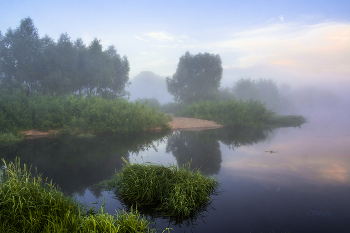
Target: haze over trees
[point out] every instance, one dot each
(197, 78)
(149, 85)
(43, 66)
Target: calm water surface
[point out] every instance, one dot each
(281, 180)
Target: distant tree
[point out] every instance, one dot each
(197, 78)
(264, 90)
(151, 102)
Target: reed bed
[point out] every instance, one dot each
(28, 204)
(170, 191)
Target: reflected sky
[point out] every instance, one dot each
(305, 155)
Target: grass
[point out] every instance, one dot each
(170, 191)
(28, 204)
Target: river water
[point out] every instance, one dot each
(276, 180)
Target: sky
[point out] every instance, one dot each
(296, 42)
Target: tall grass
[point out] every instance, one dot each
(30, 204)
(84, 114)
(172, 191)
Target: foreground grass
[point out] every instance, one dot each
(170, 191)
(251, 113)
(28, 204)
(76, 114)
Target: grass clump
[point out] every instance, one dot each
(170, 191)
(28, 204)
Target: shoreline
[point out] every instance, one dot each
(177, 124)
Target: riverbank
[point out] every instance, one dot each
(177, 124)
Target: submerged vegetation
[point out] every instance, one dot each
(239, 113)
(30, 204)
(169, 191)
(76, 114)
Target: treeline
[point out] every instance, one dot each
(45, 66)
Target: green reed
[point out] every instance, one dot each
(172, 191)
(28, 204)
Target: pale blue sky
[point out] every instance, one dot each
(290, 41)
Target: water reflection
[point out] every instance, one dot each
(264, 192)
(202, 148)
(77, 164)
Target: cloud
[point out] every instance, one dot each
(137, 37)
(308, 49)
(161, 36)
(281, 18)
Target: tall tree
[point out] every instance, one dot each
(20, 52)
(197, 78)
(117, 78)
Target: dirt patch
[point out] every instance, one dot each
(192, 124)
(31, 134)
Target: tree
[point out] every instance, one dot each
(62, 67)
(197, 78)
(19, 55)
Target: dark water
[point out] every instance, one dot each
(303, 187)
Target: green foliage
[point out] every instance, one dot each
(150, 102)
(18, 112)
(231, 113)
(197, 78)
(172, 191)
(63, 67)
(29, 204)
(10, 137)
(264, 90)
(172, 108)
(286, 121)
(225, 94)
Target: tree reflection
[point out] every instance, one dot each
(202, 148)
(77, 164)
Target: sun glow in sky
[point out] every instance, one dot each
(295, 41)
